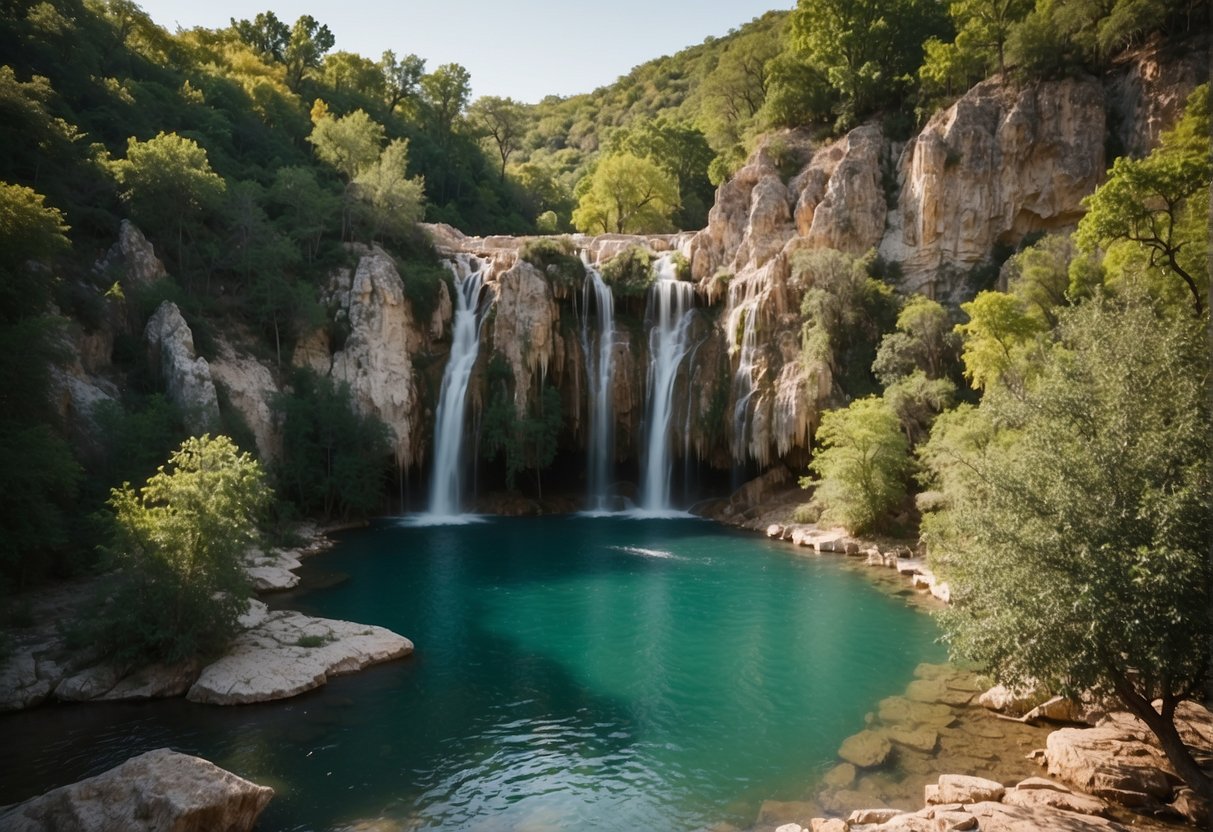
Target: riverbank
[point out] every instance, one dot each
(280, 653)
(1107, 767)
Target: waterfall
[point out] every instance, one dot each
(599, 363)
(669, 315)
(743, 338)
(446, 485)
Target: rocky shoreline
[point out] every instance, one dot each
(280, 654)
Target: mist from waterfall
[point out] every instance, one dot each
(446, 484)
(669, 316)
(599, 367)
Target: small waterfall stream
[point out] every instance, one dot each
(669, 316)
(446, 485)
(599, 364)
(743, 338)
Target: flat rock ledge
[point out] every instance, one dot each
(286, 653)
(960, 802)
(159, 791)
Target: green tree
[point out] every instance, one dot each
(445, 92)
(168, 183)
(333, 458)
(984, 26)
(916, 400)
(1160, 203)
(1040, 277)
(998, 338)
(627, 195)
(401, 79)
(350, 143)
(349, 72)
(179, 544)
(846, 311)
(39, 476)
(502, 122)
(1077, 523)
(389, 200)
(862, 465)
(265, 33)
(924, 340)
(305, 49)
(680, 149)
(864, 48)
(304, 209)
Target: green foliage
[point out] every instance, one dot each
(178, 544)
(171, 190)
(333, 458)
(502, 123)
(135, 439)
(310, 641)
(1039, 276)
(389, 201)
(423, 279)
(555, 257)
(39, 478)
(445, 92)
(865, 49)
(1159, 205)
(998, 339)
(916, 400)
(679, 149)
(1077, 527)
(626, 195)
(861, 467)
(630, 272)
(29, 230)
(846, 312)
(351, 143)
(924, 341)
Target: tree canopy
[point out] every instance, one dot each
(626, 194)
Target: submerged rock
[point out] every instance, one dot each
(160, 791)
(867, 749)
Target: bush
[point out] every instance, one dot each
(556, 258)
(179, 544)
(630, 272)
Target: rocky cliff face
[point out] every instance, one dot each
(187, 375)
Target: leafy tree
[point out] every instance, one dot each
(304, 208)
(627, 195)
(1040, 277)
(997, 339)
(333, 458)
(679, 149)
(846, 312)
(1077, 523)
(346, 72)
(861, 466)
(179, 543)
(502, 121)
(265, 33)
(350, 143)
(39, 476)
(445, 92)
(401, 79)
(168, 183)
(924, 340)
(390, 201)
(916, 400)
(864, 47)
(305, 49)
(986, 25)
(1160, 203)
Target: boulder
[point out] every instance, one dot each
(1011, 701)
(827, 825)
(272, 571)
(964, 789)
(871, 816)
(288, 653)
(1109, 762)
(867, 749)
(250, 389)
(159, 791)
(1056, 798)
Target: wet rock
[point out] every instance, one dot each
(842, 776)
(160, 791)
(923, 740)
(867, 749)
(898, 709)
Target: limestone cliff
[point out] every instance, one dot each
(187, 375)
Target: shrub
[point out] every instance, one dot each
(630, 272)
(556, 258)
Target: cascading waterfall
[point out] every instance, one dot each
(446, 485)
(599, 364)
(669, 316)
(743, 322)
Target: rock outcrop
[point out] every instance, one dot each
(250, 388)
(286, 653)
(376, 360)
(159, 791)
(1001, 162)
(526, 328)
(132, 260)
(187, 375)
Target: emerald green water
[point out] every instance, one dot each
(608, 674)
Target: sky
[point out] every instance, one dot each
(524, 49)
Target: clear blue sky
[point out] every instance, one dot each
(521, 48)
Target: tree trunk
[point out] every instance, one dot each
(1162, 725)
